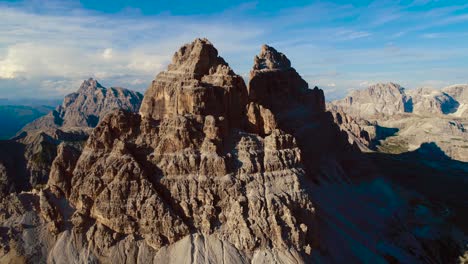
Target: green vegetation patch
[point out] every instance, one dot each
(393, 145)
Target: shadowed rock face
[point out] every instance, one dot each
(188, 162)
(277, 86)
(69, 124)
(211, 171)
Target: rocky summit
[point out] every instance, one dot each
(213, 171)
(27, 158)
(86, 107)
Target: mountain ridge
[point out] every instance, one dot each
(37, 142)
(213, 170)
(422, 115)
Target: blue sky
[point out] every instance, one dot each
(48, 47)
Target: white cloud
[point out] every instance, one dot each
(107, 54)
(351, 34)
(42, 49)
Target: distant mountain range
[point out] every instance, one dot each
(29, 155)
(205, 168)
(389, 118)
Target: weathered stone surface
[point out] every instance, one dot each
(260, 119)
(416, 117)
(61, 171)
(388, 98)
(275, 85)
(198, 82)
(85, 107)
(360, 131)
(427, 101)
(213, 172)
(199, 172)
(35, 147)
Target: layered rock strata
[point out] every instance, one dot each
(28, 157)
(211, 171)
(194, 162)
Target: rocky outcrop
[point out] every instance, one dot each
(211, 171)
(187, 165)
(85, 107)
(427, 101)
(35, 147)
(361, 132)
(428, 115)
(298, 110)
(460, 94)
(199, 83)
(387, 99)
(278, 87)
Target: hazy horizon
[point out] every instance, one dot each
(57, 100)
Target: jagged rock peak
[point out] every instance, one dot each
(197, 57)
(390, 86)
(272, 78)
(86, 106)
(89, 85)
(269, 58)
(198, 83)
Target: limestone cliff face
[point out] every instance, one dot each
(389, 98)
(278, 87)
(199, 83)
(361, 132)
(85, 107)
(35, 147)
(275, 87)
(427, 101)
(187, 164)
(413, 117)
(460, 94)
(210, 171)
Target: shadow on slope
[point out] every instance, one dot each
(392, 208)
(430, 172)
(14, 163)
(382, 133)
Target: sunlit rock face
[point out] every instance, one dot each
(85, 107)
(213, 171)
(200, 158)
(398, 120)
(199, 83)
(381, 98)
